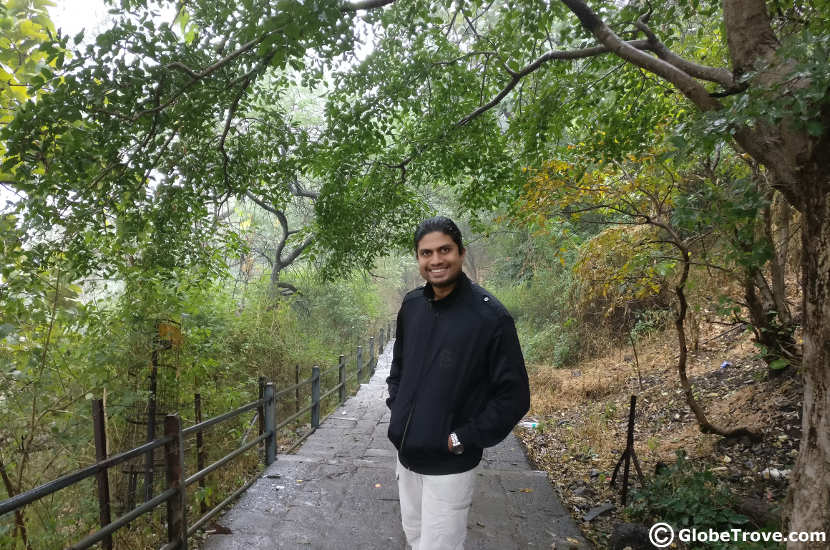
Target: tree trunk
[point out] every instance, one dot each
(780, 237)
(772, 334)
(274, 287)
(682, 306)
(19, 518)
(810, 486)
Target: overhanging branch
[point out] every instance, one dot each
(712, 74)
(681, 80)
(517, 76)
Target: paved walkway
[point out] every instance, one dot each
(339, 492)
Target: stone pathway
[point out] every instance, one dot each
(339, 492)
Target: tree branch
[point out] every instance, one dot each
(684, 82)
(298, 191)
(288, 286)
(537, 64)
(263, 204)
(231, 112)
(712, 74)
(297, 251)
(365, 5)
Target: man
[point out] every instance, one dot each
(457, 384)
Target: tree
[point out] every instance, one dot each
(637, 200)
(794, 149)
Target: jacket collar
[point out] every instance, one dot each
(461, 287)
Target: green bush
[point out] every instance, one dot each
(541, 308)
(688, 497)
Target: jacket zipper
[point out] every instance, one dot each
(420, 378)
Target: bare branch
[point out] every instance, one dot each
(685, 83)
(712, 74)
(263, 204)
(297, 251)
(537, 64)
(298, 191)
(288, 287)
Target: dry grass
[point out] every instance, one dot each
(555, 390)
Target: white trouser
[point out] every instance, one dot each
(434, 508)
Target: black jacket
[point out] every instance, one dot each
(456, 367)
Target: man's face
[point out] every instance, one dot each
(439, 260)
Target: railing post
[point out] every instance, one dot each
(297, 390)
(381, 342)
(174, 460)
(315, 397)
(149, 459)
(261, 413)
(371, 355)
(341, 369)
(200, 449)
(359, 363)
(270, 409)
(100, 430)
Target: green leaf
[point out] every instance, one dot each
(6, 329)
(779, 364)
(815, 128)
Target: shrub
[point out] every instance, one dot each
(685, 497)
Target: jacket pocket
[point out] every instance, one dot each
(397, 420)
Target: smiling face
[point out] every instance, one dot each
(439, 262)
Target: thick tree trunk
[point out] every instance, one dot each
(810, 485)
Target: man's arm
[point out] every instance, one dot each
(394, 377)
(509, 395)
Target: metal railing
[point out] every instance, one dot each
(174, 496)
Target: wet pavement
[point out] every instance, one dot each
(339, 492)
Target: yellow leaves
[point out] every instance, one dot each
(618, 266)
(32, 30)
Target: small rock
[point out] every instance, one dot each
(633, 536)
(727, 459)
(773, 474)
(594, 473)
(597, 511)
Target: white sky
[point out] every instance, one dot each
(74, 15)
